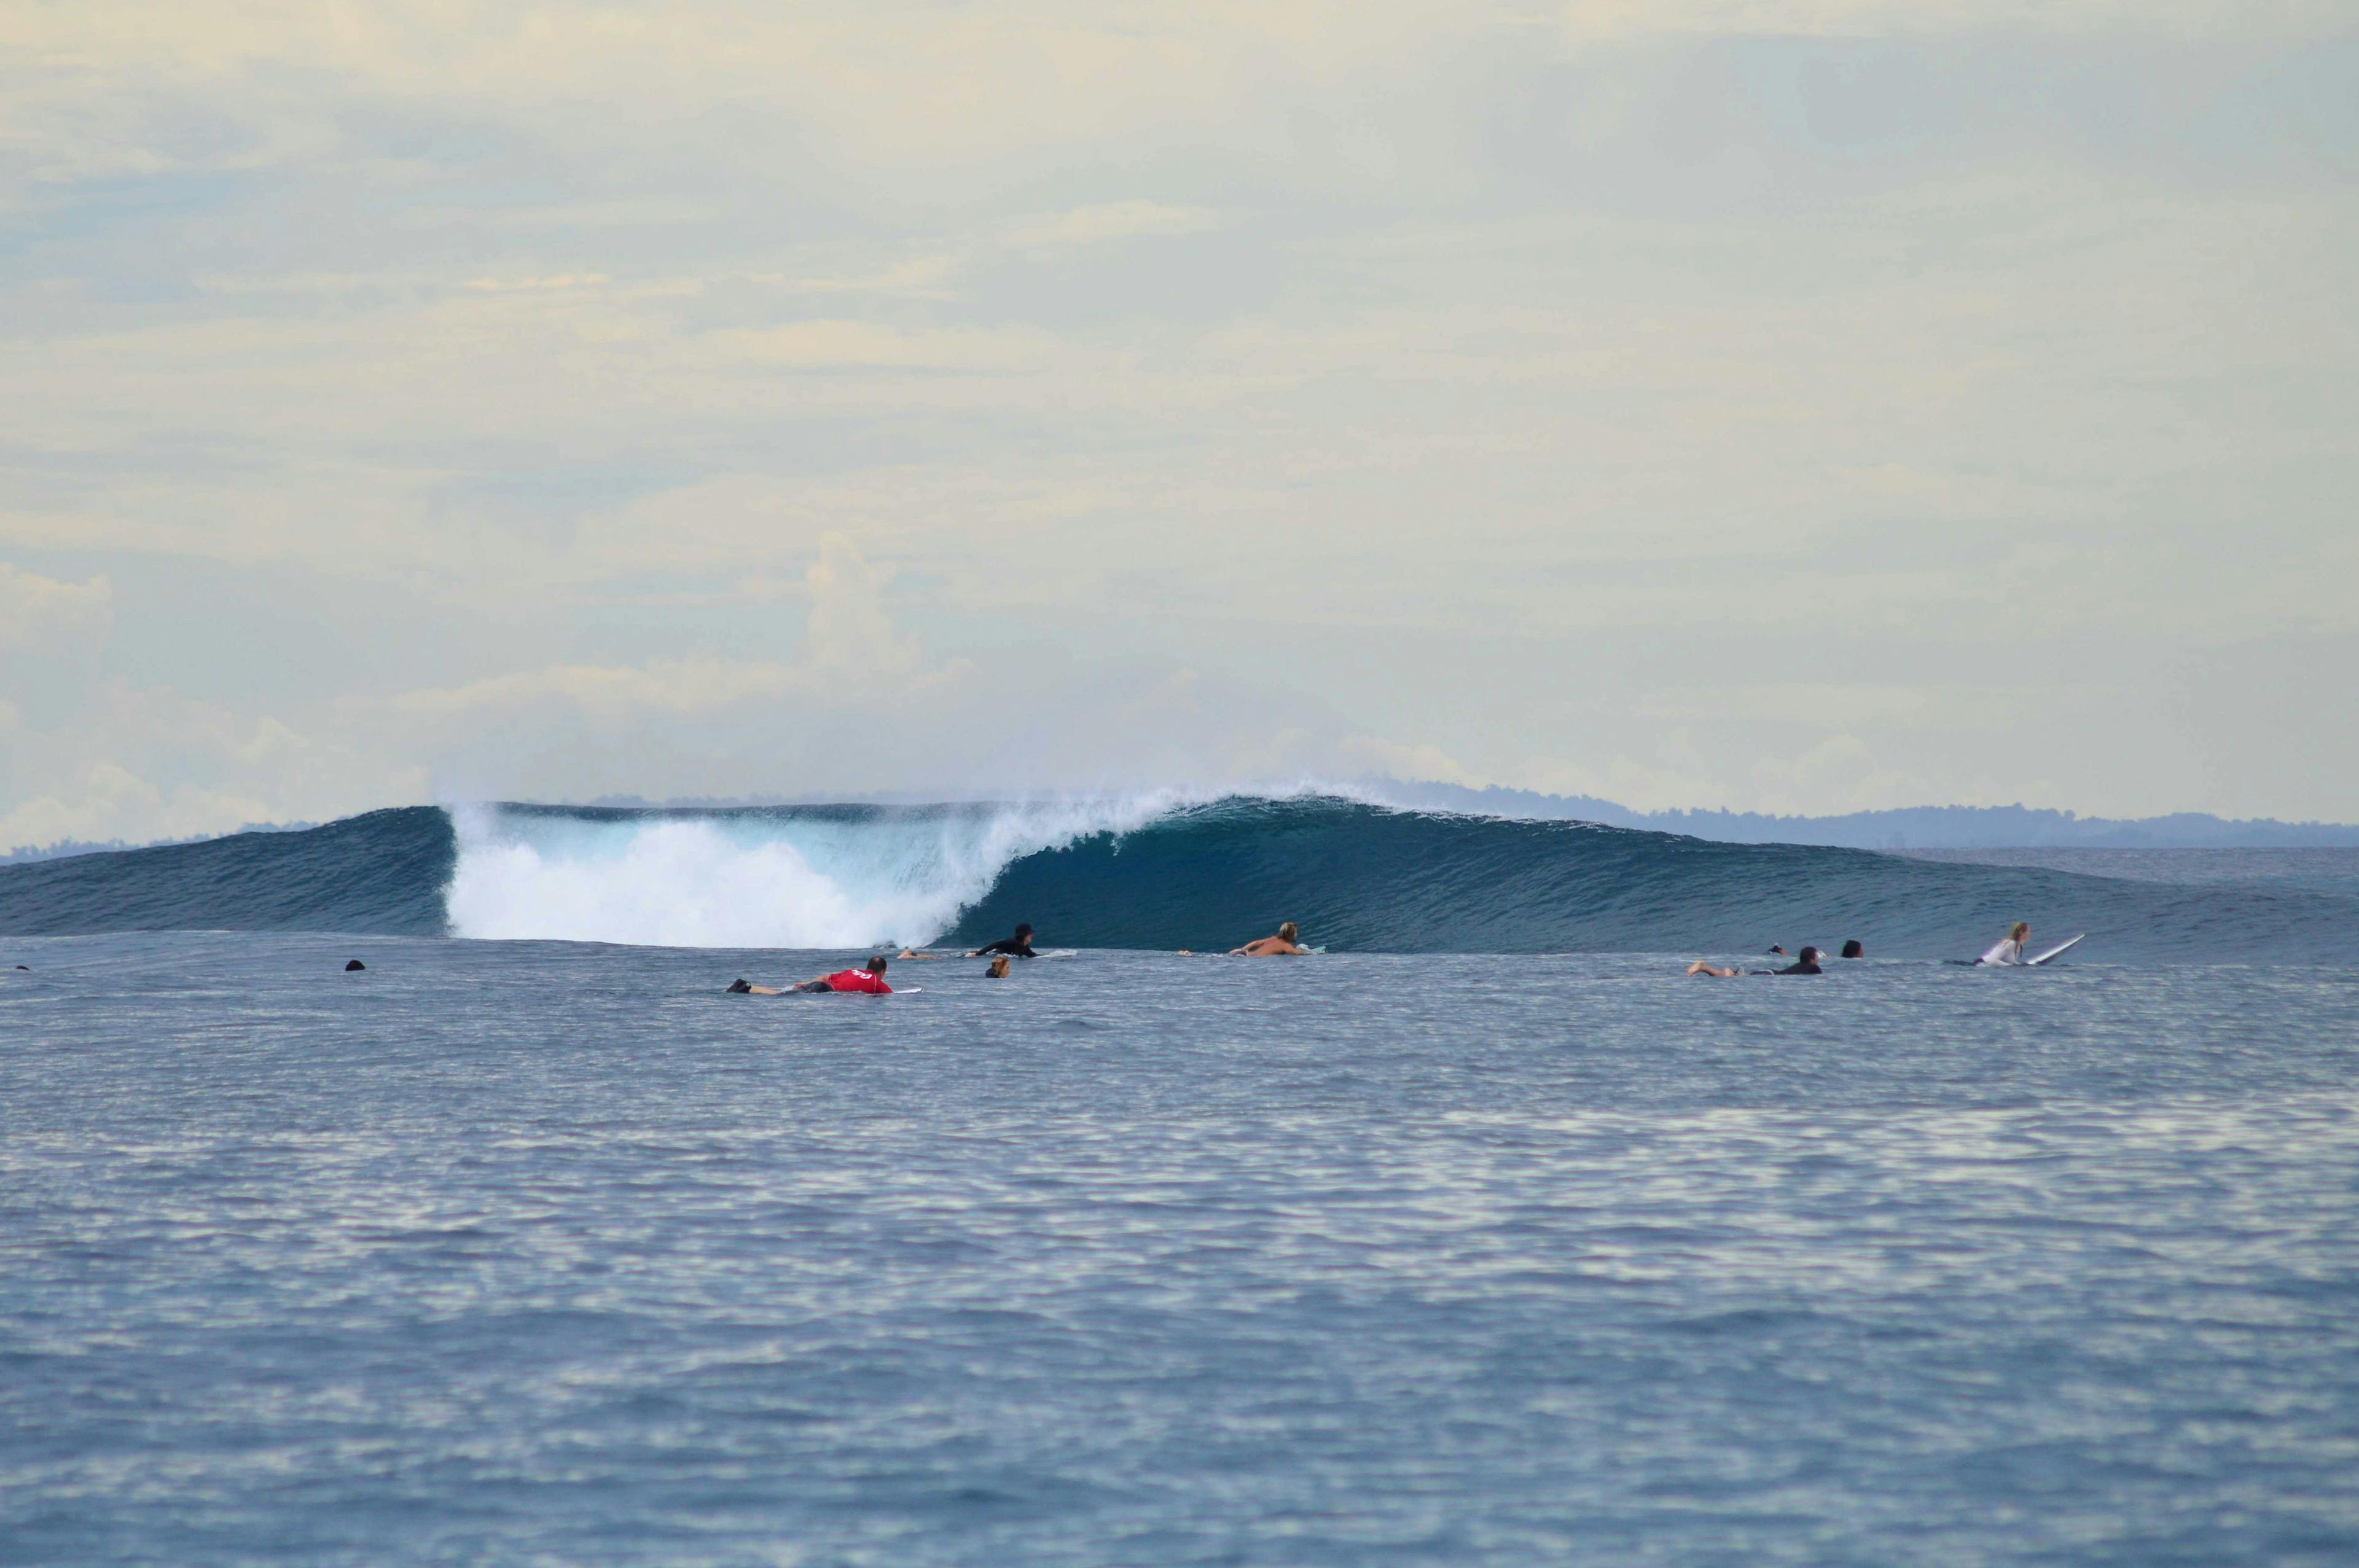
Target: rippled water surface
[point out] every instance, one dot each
(536, 1253)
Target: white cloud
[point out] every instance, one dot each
(107, 802)
(1493, 381)
(1587, 20)
(1110, 220)
(36, 610)
(849, 643)
(1839, 774)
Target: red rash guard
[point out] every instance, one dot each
(858, 980)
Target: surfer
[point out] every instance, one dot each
(1852, 949)
(868, 980)
(1283, 945)
(998, 970)
(2008, 950)
(1016, 946)
(1805, 963)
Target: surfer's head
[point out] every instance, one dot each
(2018, 931)
(875, 965)
(998, 970)
(1809, 955)
(1023, 931)
(1287, 932)
(1852, 949)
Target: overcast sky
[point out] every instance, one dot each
(1803, 405)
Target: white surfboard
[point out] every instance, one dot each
(2060, 947)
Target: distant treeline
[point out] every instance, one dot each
(25, 853)
(1908, 827)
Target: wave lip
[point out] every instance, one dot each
(757, 877)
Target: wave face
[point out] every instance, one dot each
(384, 871)
(1153, 872)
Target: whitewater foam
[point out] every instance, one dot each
(782, 878)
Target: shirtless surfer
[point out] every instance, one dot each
(868, 981)
(1284, 944)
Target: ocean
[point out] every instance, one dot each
(1486, 1235)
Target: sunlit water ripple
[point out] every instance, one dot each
(530, 1251)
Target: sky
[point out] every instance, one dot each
(1798, 406)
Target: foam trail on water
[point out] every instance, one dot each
(784, 879)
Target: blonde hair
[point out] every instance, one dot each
(2018, 931)
(1287, 932)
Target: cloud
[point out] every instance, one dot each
(1837, 775)
(1522, 386)
(108, 801)
(849, 642)
(1110, 220)
(36, 611)
(1589, 20)
(141, 762)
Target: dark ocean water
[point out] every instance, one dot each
(1158, 874)
(535, 1251)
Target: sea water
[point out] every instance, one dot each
(524, 1251)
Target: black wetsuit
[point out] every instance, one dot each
(1014, 947)
(1805, 967)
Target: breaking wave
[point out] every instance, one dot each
(1151, 871)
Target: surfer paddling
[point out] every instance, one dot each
(1016, 946)
(1282, 945)
(1806, 962)
(866, 980)
(2008, 950)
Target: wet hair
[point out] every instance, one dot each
(875, 965)
(1809, 955)
(1852, 949)
(1023, 928)
(998, 970)
(2018, 931)
(1287, 932)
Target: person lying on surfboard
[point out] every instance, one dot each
(1284, 944)
(2009, 948)
(868, 980)
(1016, 946)
(1807, 963)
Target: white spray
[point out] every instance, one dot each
(744, 881)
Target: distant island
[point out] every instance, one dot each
(1907, 828)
